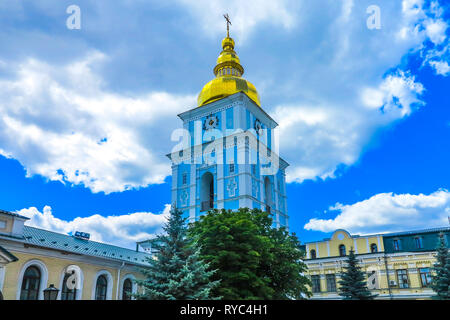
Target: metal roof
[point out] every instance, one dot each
(59, 241)
(430, 230)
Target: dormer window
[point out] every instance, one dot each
(396, 244)
(373, 248)
(419, 243)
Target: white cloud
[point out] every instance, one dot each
(388, 212)
(121, 230)
(319, 137)
(441, 67)
(245, 15)
(61, 123)
(435, 30)
(352, 85)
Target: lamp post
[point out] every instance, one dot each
(51, 293)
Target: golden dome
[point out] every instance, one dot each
(228, 81)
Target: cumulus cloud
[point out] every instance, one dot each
(436, 29)
(317, 138)
(441, 67)
(331, 89)
(121, 230)
(245, 15)
(388, 212)
(61, 123)
(356, 84)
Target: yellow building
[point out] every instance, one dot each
(397, 265)
(33, 259)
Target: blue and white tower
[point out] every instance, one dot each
(228, 155)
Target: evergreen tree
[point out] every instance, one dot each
(353, 283)
(176, 272)
(253, 260)
(441, 278)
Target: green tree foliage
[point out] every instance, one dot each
(176, 272)
(252, 259)
(353, 284)
(441, 278)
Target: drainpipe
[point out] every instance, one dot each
(387, 276)
(118, 280)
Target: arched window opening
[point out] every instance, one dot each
(312, 253)
(342, 251)
(268, 194)
(30, 284)
(207, 192)
(127, 289)
(66, 293)
(419, 243)
(373, 248)
(101, 287)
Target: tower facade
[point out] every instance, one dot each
(227, 157)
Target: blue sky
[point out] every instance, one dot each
(86, 115)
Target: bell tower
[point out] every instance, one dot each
(228, 156)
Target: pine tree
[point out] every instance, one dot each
(353, 283)
(440, 282)
(176, 272)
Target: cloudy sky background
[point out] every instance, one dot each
(86, 115)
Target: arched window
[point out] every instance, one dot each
(419, 243)
(127, 289)
(30, 284)
(207, 192)
(312, 254)
(342, 251)
(268, 194)
(101, 287)
(373, 248)
(66, 293)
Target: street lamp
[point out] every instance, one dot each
(51, 293)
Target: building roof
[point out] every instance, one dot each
(13, 214)
(59, 241)
(430, 230)
(8, 254)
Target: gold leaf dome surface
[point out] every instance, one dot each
(228, 80)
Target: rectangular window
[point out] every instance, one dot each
(2, 224)
(315, 283)
(232, 168)
(229, 116)
(254, 169)
(402, 277)
(184, 178)
(396, 245)
(331, 283)
(425, 277)
(419, 242)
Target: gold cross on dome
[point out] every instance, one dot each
(227, 18)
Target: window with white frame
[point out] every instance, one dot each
(402, 277)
